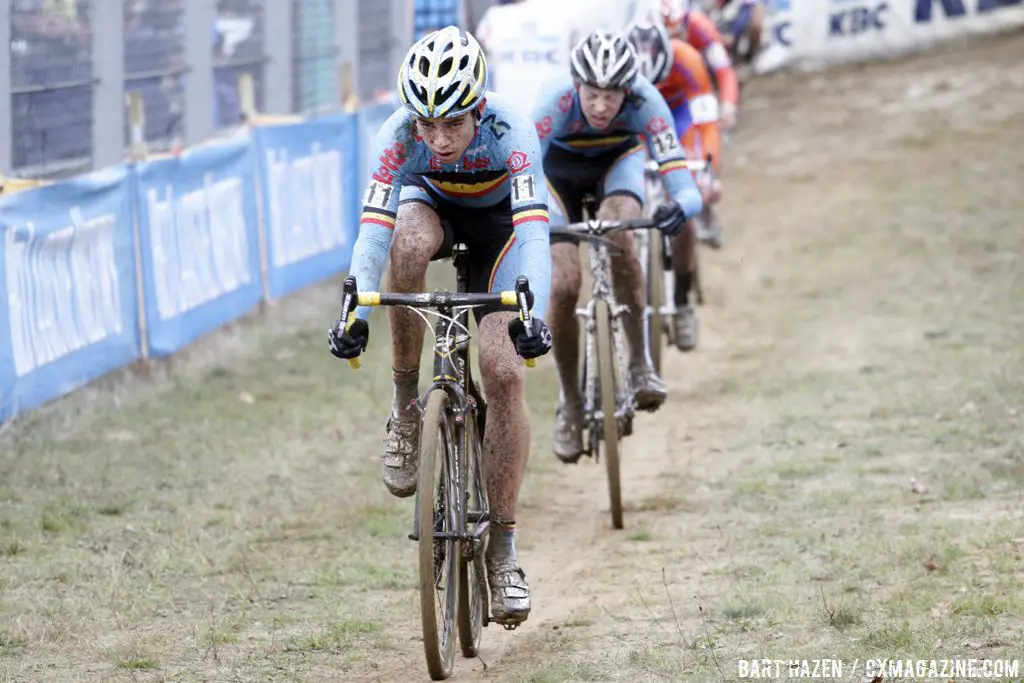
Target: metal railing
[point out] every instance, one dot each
(75, 66)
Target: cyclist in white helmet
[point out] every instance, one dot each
(458, 164)
(593, 124)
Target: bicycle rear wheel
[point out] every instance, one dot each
(610, 423)
(473, 598)
(437, 497)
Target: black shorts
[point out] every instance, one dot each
(572, 176)
(487, 233)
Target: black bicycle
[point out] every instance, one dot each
(452, 521)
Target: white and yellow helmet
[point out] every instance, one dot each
(444, 74)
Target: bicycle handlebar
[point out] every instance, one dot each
(704, 165)
(505, 300)
(514, 300)
(601, 227)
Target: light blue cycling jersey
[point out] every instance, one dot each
(501, 164)
(560, 122)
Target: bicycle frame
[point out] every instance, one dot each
(603, 291)
(453, 535)
(453, 375)
(656, 194)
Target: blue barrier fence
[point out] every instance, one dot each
(140, 260)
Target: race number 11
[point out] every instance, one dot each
(523, 188)
(378, 195)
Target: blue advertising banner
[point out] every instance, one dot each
(308, 189)
(200, 241)
(68, 297)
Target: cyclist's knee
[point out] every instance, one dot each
(418, 236)
(500, 367)
(619, 207)
(565, 272)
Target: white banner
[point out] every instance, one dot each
(812, 34)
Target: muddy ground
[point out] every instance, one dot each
(838, 471)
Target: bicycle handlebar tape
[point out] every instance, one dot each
(522, 289)
(348, 304)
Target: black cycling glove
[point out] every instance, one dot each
(349, 344)
(670, 218)
(530, 345)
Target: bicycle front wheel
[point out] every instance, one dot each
(438, 549)
(610, 424)
(473, 598)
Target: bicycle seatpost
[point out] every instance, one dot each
(522, 288)
(349, 299)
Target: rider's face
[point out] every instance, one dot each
(447, 138)
(600, 106)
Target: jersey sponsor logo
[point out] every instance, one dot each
(565, 102)
(657, 125)
(517, 161)
(544, 127)
(497, 126)
(854, 21)
(390, 161)
(378, 194)
(476, 164)
(954, 9)
(524, 188)
(635, 100)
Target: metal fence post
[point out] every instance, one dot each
(277, 47)
(200, 17)
(346, 43)
(108, 103)
(6, 129)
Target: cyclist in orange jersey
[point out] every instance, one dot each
(685, 84)
(697, 29)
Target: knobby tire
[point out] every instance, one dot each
(438, 644)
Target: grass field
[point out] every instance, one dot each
(839, 471)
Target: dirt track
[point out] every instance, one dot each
(837, 472)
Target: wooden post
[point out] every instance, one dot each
(137, 125)
(247, 96)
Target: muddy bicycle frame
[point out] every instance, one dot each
(464, 404)
(603, 291)
(606, 417)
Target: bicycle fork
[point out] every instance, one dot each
(593, 415)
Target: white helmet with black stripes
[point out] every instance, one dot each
(653, 49)
(604, 60)
(444, 74)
